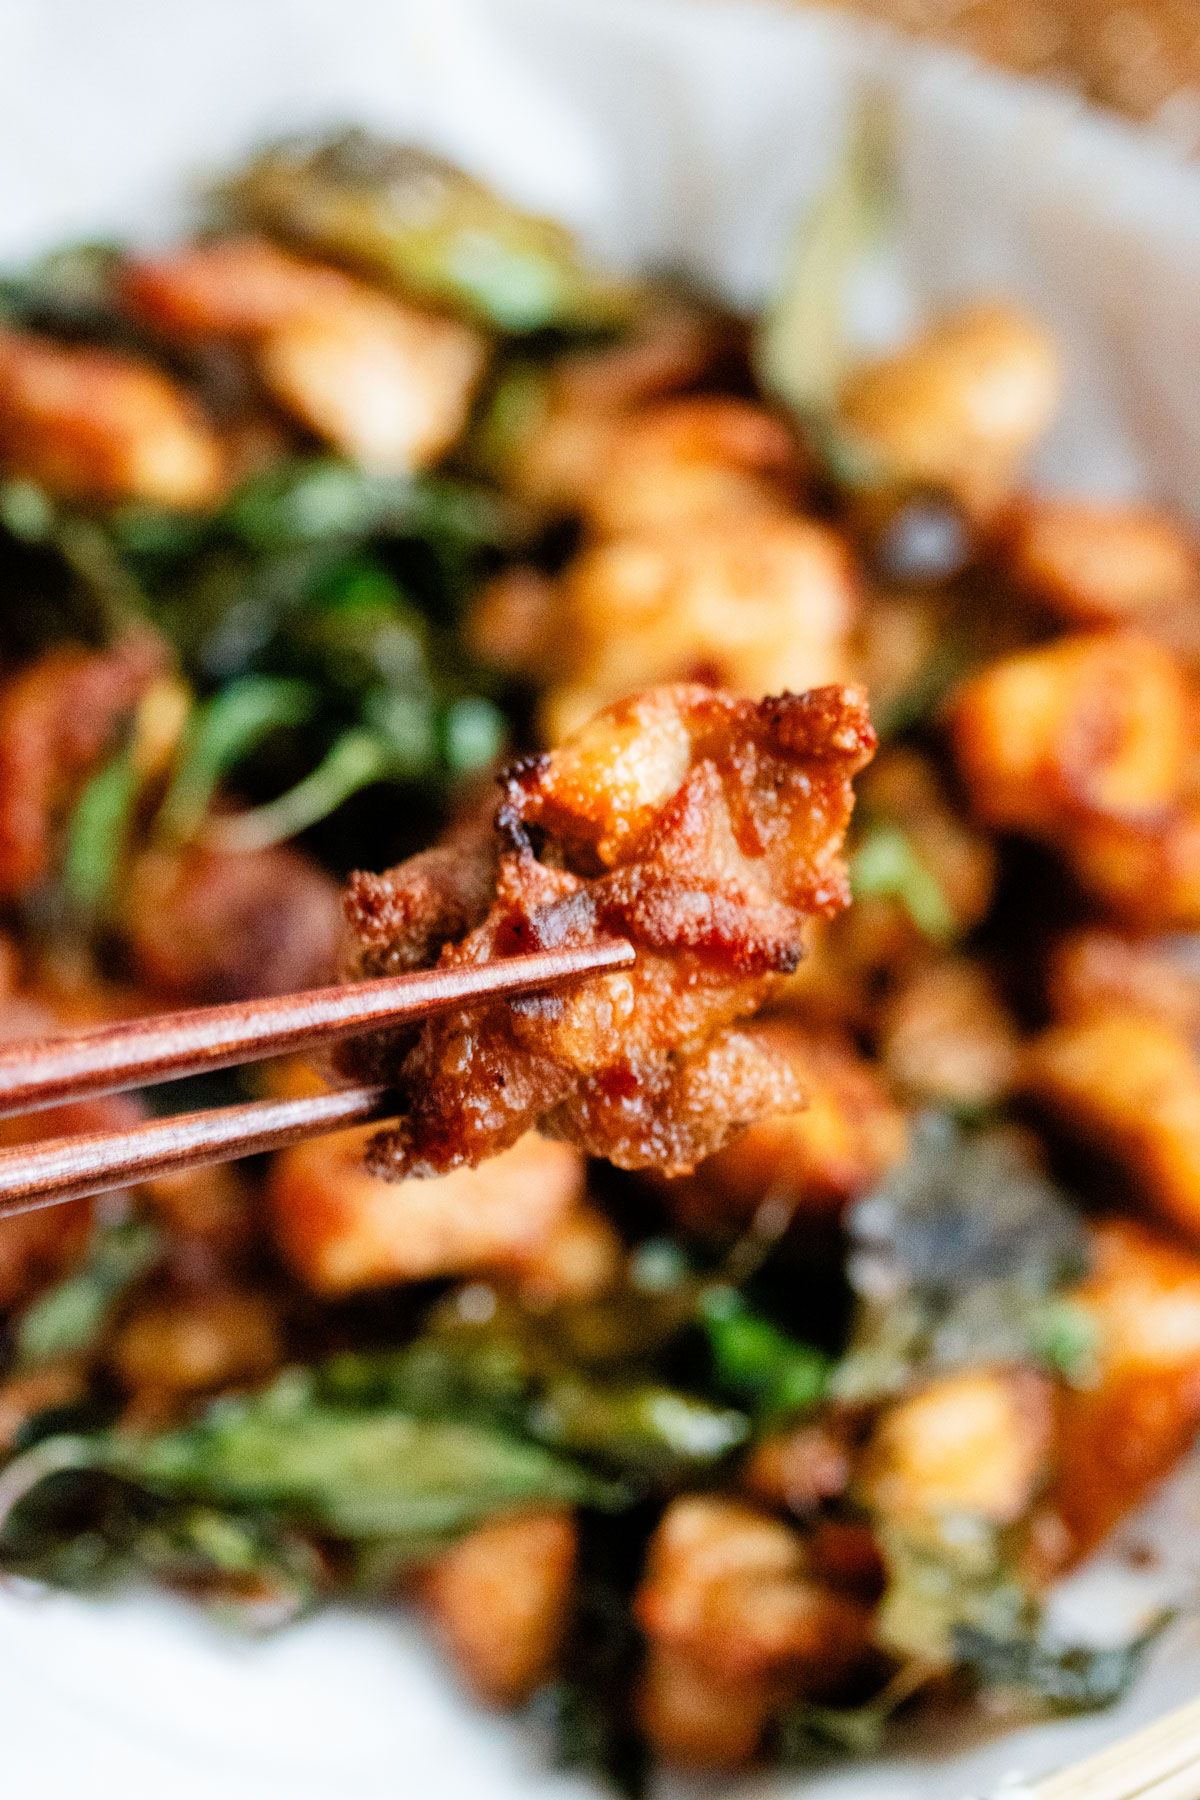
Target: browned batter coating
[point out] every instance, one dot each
(705, 828)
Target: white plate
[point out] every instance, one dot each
(668, 132)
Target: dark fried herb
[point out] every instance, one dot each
(591, 1706)
(70, 1318)
(1040, 1676)
(287, 1457)
(753, 1359)
(814, 1734)
(428, 229)
(524, 1373)
(959, 1258)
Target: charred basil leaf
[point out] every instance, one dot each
(960, 1258)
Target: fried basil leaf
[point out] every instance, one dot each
(959, 1258)
(1044, 1677)
(428, 229)
(69, 1318)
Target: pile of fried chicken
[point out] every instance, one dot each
(713, 620)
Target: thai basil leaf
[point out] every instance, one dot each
(958, 1258)
(1049, 1677)
(70, 1318)
(803, 347)
(223, 731)
(429, 229)
(755, 1360)
(888, 864)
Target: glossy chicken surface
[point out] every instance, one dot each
(708, 831)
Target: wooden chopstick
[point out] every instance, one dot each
(48, 1071)
(67, 1168)
(1160, 1763)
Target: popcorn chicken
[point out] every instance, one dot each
(753, 604)
(386, 383)
(190, 1343)
(690, 461)
(736, 1627)
(976, 1442)
(1093, 971)
(798, 1467)
(1128, 1083)
(551, 434)
(961, 407)
(1101, 564)
(946, 1039)
(93, 425)
(578, 1258)
(705, 828)
(815, 1160)
(207, 926)
(1137, 1410)
(1144, 873)
(342, 1229)
(1093, 724)
(499, 1601)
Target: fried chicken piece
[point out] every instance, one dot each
(58, 717)
(89, 424)
(550, 436)
(1137, 1413)
(707, 830)
(1102, 564)
(847, 1135)
(189, 1343)
(206, 926)
(751, 602)
(341, 1229)
(737, 1627)
(947, 1039)
(1088, 745)
(1127, 1083)
(688, 461)
(387, 383)
(1095, 972)
(977, 1442)
(499, 1600)
(961, 406)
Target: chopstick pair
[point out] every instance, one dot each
(1161, 1762)
(49, 1071)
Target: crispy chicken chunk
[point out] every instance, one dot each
(90, 424)
(386, 383)
(707, 830)
(737, 1626)
(752, 602)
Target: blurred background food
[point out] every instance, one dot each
(1141, 57)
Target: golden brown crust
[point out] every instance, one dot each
(386, 383)
(706, 829)
(89, 424)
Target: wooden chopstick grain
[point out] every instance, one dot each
(47, 1071)
(67, 1168)
(1161, 1762)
